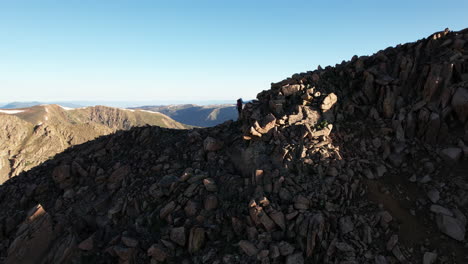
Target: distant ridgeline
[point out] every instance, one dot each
(31, 135)
(196, 115)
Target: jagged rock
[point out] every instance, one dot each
(62, 176)
(191, 208)
(248, 248)
(435, 208)
(452, 227)
(129, 242)
(392, 242)
(429, 258)
(166, 210)
(285, 248)
(178, 235)
(268, 122)
(451, 154)
(266, 221)
(460, 103)
(292, 119)
(295, 258)
(346, 225)
(380, 260)
(433, 195)
(158, 252)
(301, 203)
(87, 244)
(211, 202)
(117, 177)
(210, 185)
(329, 101)
(398, 254)
(196, 239)
(212, 144)
(33, 237)
(278, 218)
(288, 90)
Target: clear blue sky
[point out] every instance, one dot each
(194, 50)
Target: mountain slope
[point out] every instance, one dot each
(29, 136)
(195, 115)
(364, 162)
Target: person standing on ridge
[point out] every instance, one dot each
(239, 107)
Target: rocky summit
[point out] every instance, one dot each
(364, 162)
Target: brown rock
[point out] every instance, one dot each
(288, 90)
(210, 185)
(62, 176)
(114, 181)
(166, 210)
(267, 123)
(266, 221)
(279, 219)
(301, 203)
(196, 239)
(87, 244)
(460, 103)
(248, 247)
(212, 144)
(211, 202)
(157, 252)
(129, 242)
(191, 208)
(33, 238)
(124, 253)
(329, 102)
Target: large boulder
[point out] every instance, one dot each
(460, 103)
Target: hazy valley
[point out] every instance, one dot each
(196, 115)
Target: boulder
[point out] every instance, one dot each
(460, 103)
(329, 102)
(451, 226)
(196, 239)
(212, 144)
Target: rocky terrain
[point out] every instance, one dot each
(30, 136)
(196, 115)
(364, 162)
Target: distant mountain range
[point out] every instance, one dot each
(31, 135)
(120, 104)
(196, 115)
(14, 105)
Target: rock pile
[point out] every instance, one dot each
(364, 162)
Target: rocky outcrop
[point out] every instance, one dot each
(314, 172)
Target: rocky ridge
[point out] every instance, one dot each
(364, 162)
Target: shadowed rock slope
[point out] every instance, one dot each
(364, 162)
(30, 136)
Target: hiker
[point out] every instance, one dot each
(239, 106)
